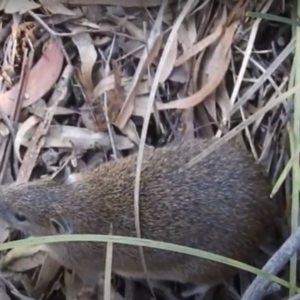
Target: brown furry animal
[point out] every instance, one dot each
(221, 204)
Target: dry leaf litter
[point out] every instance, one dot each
(76, 81)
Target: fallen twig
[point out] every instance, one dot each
(260, 286)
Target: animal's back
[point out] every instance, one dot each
(221, 204)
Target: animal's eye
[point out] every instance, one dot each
(20, 217)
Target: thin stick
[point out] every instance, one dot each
(259, 287)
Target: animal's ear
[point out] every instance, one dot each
(58, 227)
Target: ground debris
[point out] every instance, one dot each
(75, 81)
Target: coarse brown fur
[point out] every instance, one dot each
(221, 205)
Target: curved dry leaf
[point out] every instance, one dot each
(23, 130)
(214, 53)
(211, 60)
(4, 131)
(58, 111)
(203, 44)
(218, 75)
(210, 104)
(169, 63)
(22, 259)
(223, 99)
(37, 85)
(84, 25)
(93, 13)
(88, 56)
(38, 108)
(179, 74)
(131, 132)
(187, 35)
(135, 31)
(200, 46)
(47, 274)
(20, 6)
(27, 263)
(140, 106)
(192, 29)
(56, 7)
(81, 138)
(149, 54)
(108, 83)
(132, 47)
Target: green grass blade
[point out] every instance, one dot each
(145, 243)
